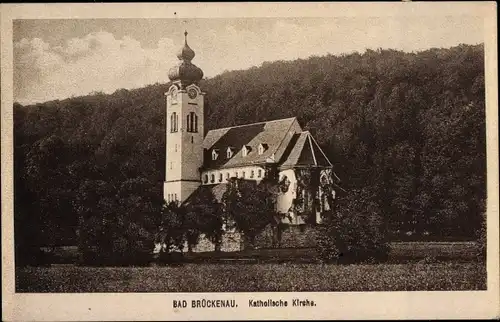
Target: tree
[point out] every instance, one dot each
(136, 220)
(172, 231)
(203, 216)
(353, 231)
(249, 206)
(47, 180)
(95, 204)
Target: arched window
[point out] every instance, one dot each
(227, 175)
(252, 174)
(192, 122)
(205, 178)
(259, 173)
(243, 174)
(220, 177)
(173, 122)
(212, 178)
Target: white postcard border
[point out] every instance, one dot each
(330, 305)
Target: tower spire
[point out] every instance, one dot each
(185, 72)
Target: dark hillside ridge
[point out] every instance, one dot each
(411, 126)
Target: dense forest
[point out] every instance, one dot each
(409, 127)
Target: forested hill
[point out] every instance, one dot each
(410, 127)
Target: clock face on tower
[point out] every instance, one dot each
(192, 93)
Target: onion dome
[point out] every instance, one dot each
(186, 53)
(185, 72)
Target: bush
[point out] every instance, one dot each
(171, 258)
(353, 232)
(121, 254)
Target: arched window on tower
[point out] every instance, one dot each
(173, 122)
(192, 122)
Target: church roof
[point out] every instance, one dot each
(304, 151)
(279, 141)
(203, 192)
(272, 136)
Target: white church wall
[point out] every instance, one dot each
(285, 199)
(178, 190)
(172, 191)
(221, 175)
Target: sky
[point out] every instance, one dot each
(60, 58)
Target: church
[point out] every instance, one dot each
(195, 161)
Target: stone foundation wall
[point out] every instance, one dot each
(292, 236)
(231, 242)
(299, 236)
(204, 245)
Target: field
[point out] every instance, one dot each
(424, 266)
(236, 277)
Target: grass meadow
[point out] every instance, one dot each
(422, 266)
(263, 277)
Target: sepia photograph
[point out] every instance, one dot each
(297, 155)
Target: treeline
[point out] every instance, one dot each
(408, 127)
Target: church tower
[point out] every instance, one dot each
(184, 128)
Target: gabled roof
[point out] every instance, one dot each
(203, 191)
(276, 134)
(303, 150)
